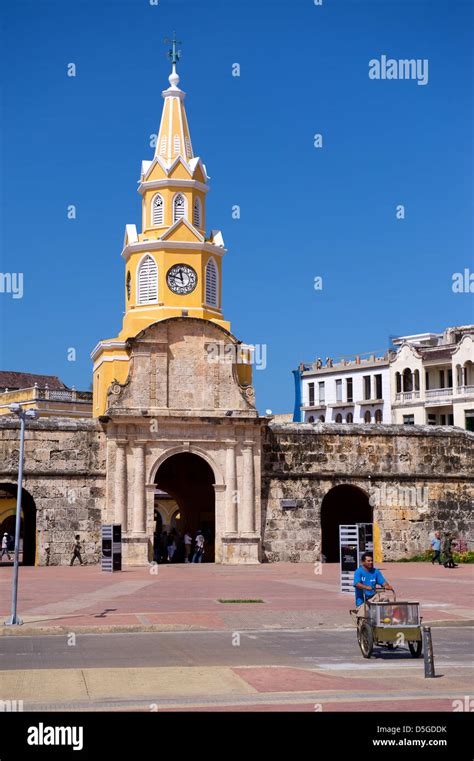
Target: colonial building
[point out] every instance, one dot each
(432, 378)
(350, 391)
(45, 393)
(173, 390)
(427, 379)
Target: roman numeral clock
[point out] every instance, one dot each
(181, 279)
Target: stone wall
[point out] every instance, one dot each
(65, 475)
(418, 478)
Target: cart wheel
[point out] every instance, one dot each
(366, 640)
(416, 648)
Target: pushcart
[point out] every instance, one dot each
(388, 623)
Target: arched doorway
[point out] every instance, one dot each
(8, 495)
(189, 480)
(342, 504)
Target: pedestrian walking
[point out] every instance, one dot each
(188, 542)
(5, 550)
(171, 547)
(199, 547)
(76, 553)
(436, 547)
(448, 552)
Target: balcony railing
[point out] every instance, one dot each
(465, 390)
(438, 393)
(407, 396)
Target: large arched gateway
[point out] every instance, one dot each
(8, 496)
(187, 481)
(342, 504)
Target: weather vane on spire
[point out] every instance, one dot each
(174, 55)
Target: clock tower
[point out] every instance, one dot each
(172, 267)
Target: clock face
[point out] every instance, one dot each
(181, 279)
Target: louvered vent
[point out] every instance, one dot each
(147, 281)
(178, 208)
(211, 283)
(157, 211)
(197, 213)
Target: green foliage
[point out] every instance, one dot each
(427, 556)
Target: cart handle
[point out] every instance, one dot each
(380, 589)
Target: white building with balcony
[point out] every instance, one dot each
(349, 391)
(432, 378)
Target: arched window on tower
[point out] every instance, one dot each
(378, 416)
(179, 207)
(212, 295)
(176, 144)
(367, 417)
(338, 418)
(129, 285)
(188, 148)
(147, 281)
(197, 212)
(163, 145)
(350, 417)
(157, 210)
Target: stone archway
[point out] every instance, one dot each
(8, 496)
(189, 480)
(342, 504)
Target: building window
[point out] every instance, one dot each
(197, 212)
(366, 386)
(441, 379)
(163, 145)
(407, 380)
(176, 144)
(129, 285)
(321, 419)
(431, 419)
(211, 283)
(367, 417)
(349, 391)
(339, 391)
(378, 387)
(321, 392)
(450, 419)
(157, 210)
(188, 147)
(427, 380)
(417, 380)
(147, 279)
(469, 420)
(450, 378)
(311, 419)
(349, 417)
(338, 418)
(378, 416)
(179, 207)
(311, 394)
(398, 382)
(408, 420)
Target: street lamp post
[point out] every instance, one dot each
(23, 415)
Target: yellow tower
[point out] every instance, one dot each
(172, 269)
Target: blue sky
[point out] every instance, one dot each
(305, 212)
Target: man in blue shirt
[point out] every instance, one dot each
(436, 546)
(366, 578)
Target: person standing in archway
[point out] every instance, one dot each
(5, 550)
(188, 541)
(199, 547)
